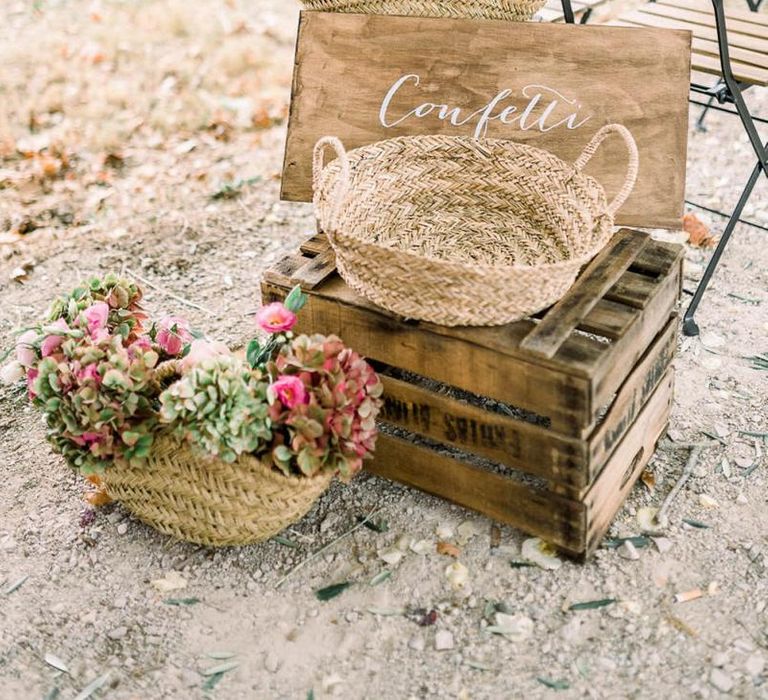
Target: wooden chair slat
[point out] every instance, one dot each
(743, 72)
(601, 274)
(706, 7)
(707, 19)
(741, 57)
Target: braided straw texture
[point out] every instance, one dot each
(463, 231)
(511, 10)
(211, 502)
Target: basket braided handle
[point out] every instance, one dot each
(634, 161)
(342, 187)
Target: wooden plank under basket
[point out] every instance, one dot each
(544, 424)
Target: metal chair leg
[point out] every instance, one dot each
(690, 327)
(568, 12)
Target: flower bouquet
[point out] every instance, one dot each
(195, 440)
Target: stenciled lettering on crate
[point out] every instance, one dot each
(366, 78)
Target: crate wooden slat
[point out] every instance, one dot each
(544, 423)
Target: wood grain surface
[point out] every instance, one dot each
(551, 86)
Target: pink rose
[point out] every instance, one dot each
(290, 391)
(25, 353)
(173, 334)
(31, 377)
(275, 318)
(96, 317)
(53, 341)
(202, 350)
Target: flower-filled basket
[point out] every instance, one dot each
(201, 443)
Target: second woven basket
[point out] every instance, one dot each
(510, 10)
(462, 231)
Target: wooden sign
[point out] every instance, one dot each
(365, 78)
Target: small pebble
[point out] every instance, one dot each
(443, 640)
(628, 551)
(272, 662)
(122, 528)
(663, 544)
(741, 500)
(417, 642)
(754, 664)
(721, 680)
(117, 633)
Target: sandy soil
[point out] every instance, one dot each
(118, 124)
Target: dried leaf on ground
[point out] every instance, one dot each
(699, 235)
(554, 684)
(57, 663)
(448, 549)
(649, 479)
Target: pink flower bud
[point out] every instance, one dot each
(275, 318)
(25, 353)
(173, 334)
(290, 391)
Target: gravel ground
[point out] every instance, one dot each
(142, 128)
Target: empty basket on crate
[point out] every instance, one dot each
(462, 231)
(511, 10)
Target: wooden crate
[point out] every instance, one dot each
(544, 424)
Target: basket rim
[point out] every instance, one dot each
(167, 440)
(358, 155)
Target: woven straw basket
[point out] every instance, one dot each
(511, 10)
(462, 231)
(211, 502)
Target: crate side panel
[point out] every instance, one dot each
(627, 462)
(516, 443)
(546, 515)
(631, 397)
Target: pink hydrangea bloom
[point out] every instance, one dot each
(173, 334)
(96, 317)
(290, 391)
(31, 376)
(142, 343)
(52, 342)
(275, 318)
(25, 353)
(91, 372)
(202, 350)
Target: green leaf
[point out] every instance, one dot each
(696, 523)
(283, 453)
(593, 604)
(253, 352)
(311, 695)
(93, 686)
(212, 681)
(521, 564)
(295, 299)
(381, 577)
(377, 525)
(332, 591)
(181, 601)
(16, 585)
(220, 668)
(615, 542)
(554, 685)
(285, 542)
(221, 655)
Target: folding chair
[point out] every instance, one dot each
(733, 46)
